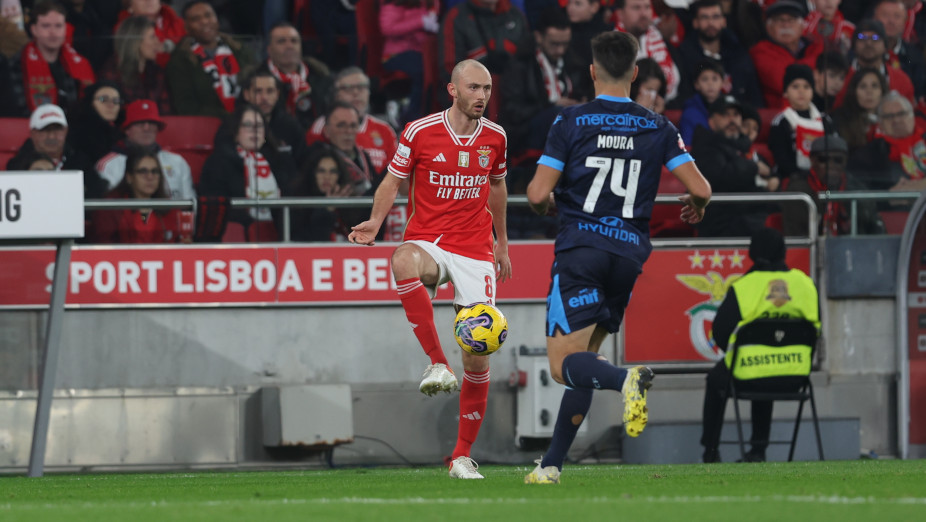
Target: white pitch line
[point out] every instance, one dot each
(750, 499)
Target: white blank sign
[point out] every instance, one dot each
(41, 204)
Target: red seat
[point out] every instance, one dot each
(189, 133)
(767, 116)
(669, 184)
(766, 153)
(674, 115)
(194, 158)
(894, 220)
(5, 157)
(776, 221)
(190, 137)
(234, 233)
(262, 232)
(665, 220)
(13, 133)
(257, 231)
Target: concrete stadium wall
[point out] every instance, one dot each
(373, 350)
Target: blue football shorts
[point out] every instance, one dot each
(589, 286)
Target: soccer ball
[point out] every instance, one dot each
(480, 328)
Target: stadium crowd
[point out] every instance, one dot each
(211, 100)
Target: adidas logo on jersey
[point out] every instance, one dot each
(439, 157)
(472, 416)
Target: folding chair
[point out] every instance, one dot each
(790, 339)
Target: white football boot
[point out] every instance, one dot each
(464, 468)
(547, 475)
(437, 378)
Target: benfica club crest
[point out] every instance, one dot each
(484, 158)
(670, 317)
(714, 285)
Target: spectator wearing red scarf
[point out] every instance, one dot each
(896, 158)
(247, 164)
(901, 54)
(305, 81)
(826, 22)
(203, 71)
(636, 17)
(48, 70)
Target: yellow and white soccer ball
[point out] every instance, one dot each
(480, 328)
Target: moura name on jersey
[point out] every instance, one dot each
(611, 152)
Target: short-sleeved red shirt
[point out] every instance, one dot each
(449, 183)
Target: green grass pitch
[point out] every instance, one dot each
(865, 490)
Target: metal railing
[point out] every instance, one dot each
(854, 196)
(288, 203)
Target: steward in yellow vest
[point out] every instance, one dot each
(776, 294)
(768, 290)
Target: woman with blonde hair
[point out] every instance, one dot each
(134, 66)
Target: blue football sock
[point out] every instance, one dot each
(586, 370)
(572, 411)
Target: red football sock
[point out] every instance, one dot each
(473, 398)
(417, 305)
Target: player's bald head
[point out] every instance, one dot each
(464, 67)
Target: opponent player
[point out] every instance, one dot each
(455, 163)
(604, 160)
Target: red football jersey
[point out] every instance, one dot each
(375, 137)
(449, 183)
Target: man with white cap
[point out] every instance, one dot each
(142, 124)
(48, 131)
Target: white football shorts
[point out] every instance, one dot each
(473, 280)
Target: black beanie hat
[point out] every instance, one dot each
(797, 71)
(750, 113)
(767, 246)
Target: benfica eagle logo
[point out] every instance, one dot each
(714, 285)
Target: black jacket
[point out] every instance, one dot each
(581, 47)
(91, 134)
(725, 166)
(74, 159)
(524, 95)
(223, 175)
(13, 93)
(735, 60)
